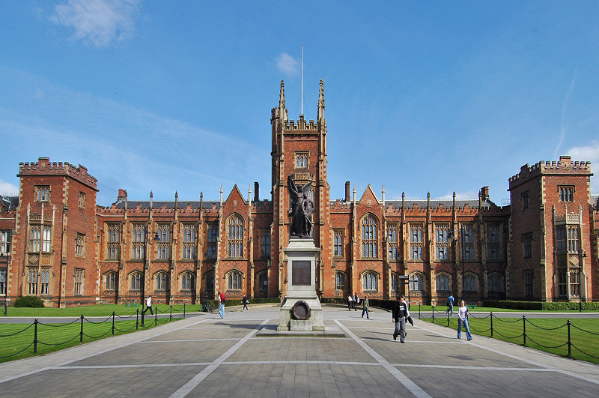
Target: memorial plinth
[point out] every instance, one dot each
(301, 286)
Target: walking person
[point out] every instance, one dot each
(365, 307)
(463, 319)
(149, 305)
(349, 302)
(356, 301)
(221, 304)
(450, 300)
(399, 315)
(245, 303)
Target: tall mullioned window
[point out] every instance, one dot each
(470, 283)
(566, 194)
(3, 282)
(235, 279)
(35, 238)
(78, 282)
(338, 243)
(416, 242)
(392, 241)
(527, 245)
(369, 281)
(493, 243)
(442, 241)
(79, 244)
(4, 243)
(369, 240)
(495, 283)
(394, 283)
(561, 239)
(301, 160)
(189, 241)
(562, 282)
(45, 282)
(211, 241)
(136, 281)
(339, 281)
(113, 242)
(162, 281)
(573, 242)
(111, 281)
(442, 283)
(139, 238)
(575, 283)
(528, 278)
(467, 242)
(187, 281)
(164, 241)
(265, 244)
(81, 200)
(32, 281)
(417, 282)
(42, 193)
(235, 244)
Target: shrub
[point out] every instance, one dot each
(29, 301)
(539, 305)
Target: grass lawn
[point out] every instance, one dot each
(18, 338)
(443, 308)
(547, 334)
(95, 310)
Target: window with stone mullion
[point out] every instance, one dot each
(416, 242)
(369, 239)
(235, 247)
(442, 242)
(493, 242)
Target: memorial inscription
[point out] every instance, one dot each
(301, 274)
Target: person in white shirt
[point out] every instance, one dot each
(463, 319)
(149, 305)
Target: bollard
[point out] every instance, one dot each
(580, 306)
(156, 318)
(448, 319)
(524, 328)
(569, 341)
(418, 310)
(35, 337)
(491, 323)
(433, 307)
(183, 310)
(81, 333)
(137, 320)
(113, 323)
(171, 315)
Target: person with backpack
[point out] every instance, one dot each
(450, 304)
(221, 304)
(400, 314)
(245, 303)
(463, 320)
(365, 307)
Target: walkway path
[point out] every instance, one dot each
(205, 356)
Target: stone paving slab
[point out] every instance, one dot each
(120, 382)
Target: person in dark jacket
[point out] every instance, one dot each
(399, 316)
(245, 304)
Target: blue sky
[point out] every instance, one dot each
(176, 96)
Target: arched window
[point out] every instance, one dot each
(369, 241)
(417, 282)
(495, 283)
(187, 281)
(443, 283)
(136, 281)
(162, 281)
(339, 281)
(470, 283)
(209, 277)
(369, 281)
(263, 281)
(111, 281)
(235, 236)
(235, 279)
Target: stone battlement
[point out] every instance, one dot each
(43, 167)
(563, 166)
(301, 124)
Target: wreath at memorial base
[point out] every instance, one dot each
(300, 311)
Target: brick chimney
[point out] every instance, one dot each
(256, 192)
(122, 194)
(347, 193)
(484, 191)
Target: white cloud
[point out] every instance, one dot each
(460, 195)
(99, 22)
(286, 64)
(7, 188)
(589, 153)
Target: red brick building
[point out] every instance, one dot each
(56, 243)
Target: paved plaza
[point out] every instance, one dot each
(205, 356)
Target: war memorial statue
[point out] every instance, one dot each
(301, 209)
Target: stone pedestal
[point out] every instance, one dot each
(301, 285)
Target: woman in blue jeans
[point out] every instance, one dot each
(463, 319)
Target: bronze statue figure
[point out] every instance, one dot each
(301, 209)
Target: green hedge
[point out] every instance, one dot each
(29, 301)
(540, 305)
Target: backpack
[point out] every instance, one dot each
(223, 299)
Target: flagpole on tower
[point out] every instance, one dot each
(302, 99)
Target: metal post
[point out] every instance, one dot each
(137, 320)
(171, 316)
(448, 319)
(580, 305)
(524, 328)
(418, 310)
(81, 333)
(142, 315)
(569, 340)
(113, 323)
(183, 310)
(491, 323)
(35, 337)
(156, 318)
(433, 307)
(5, 305)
